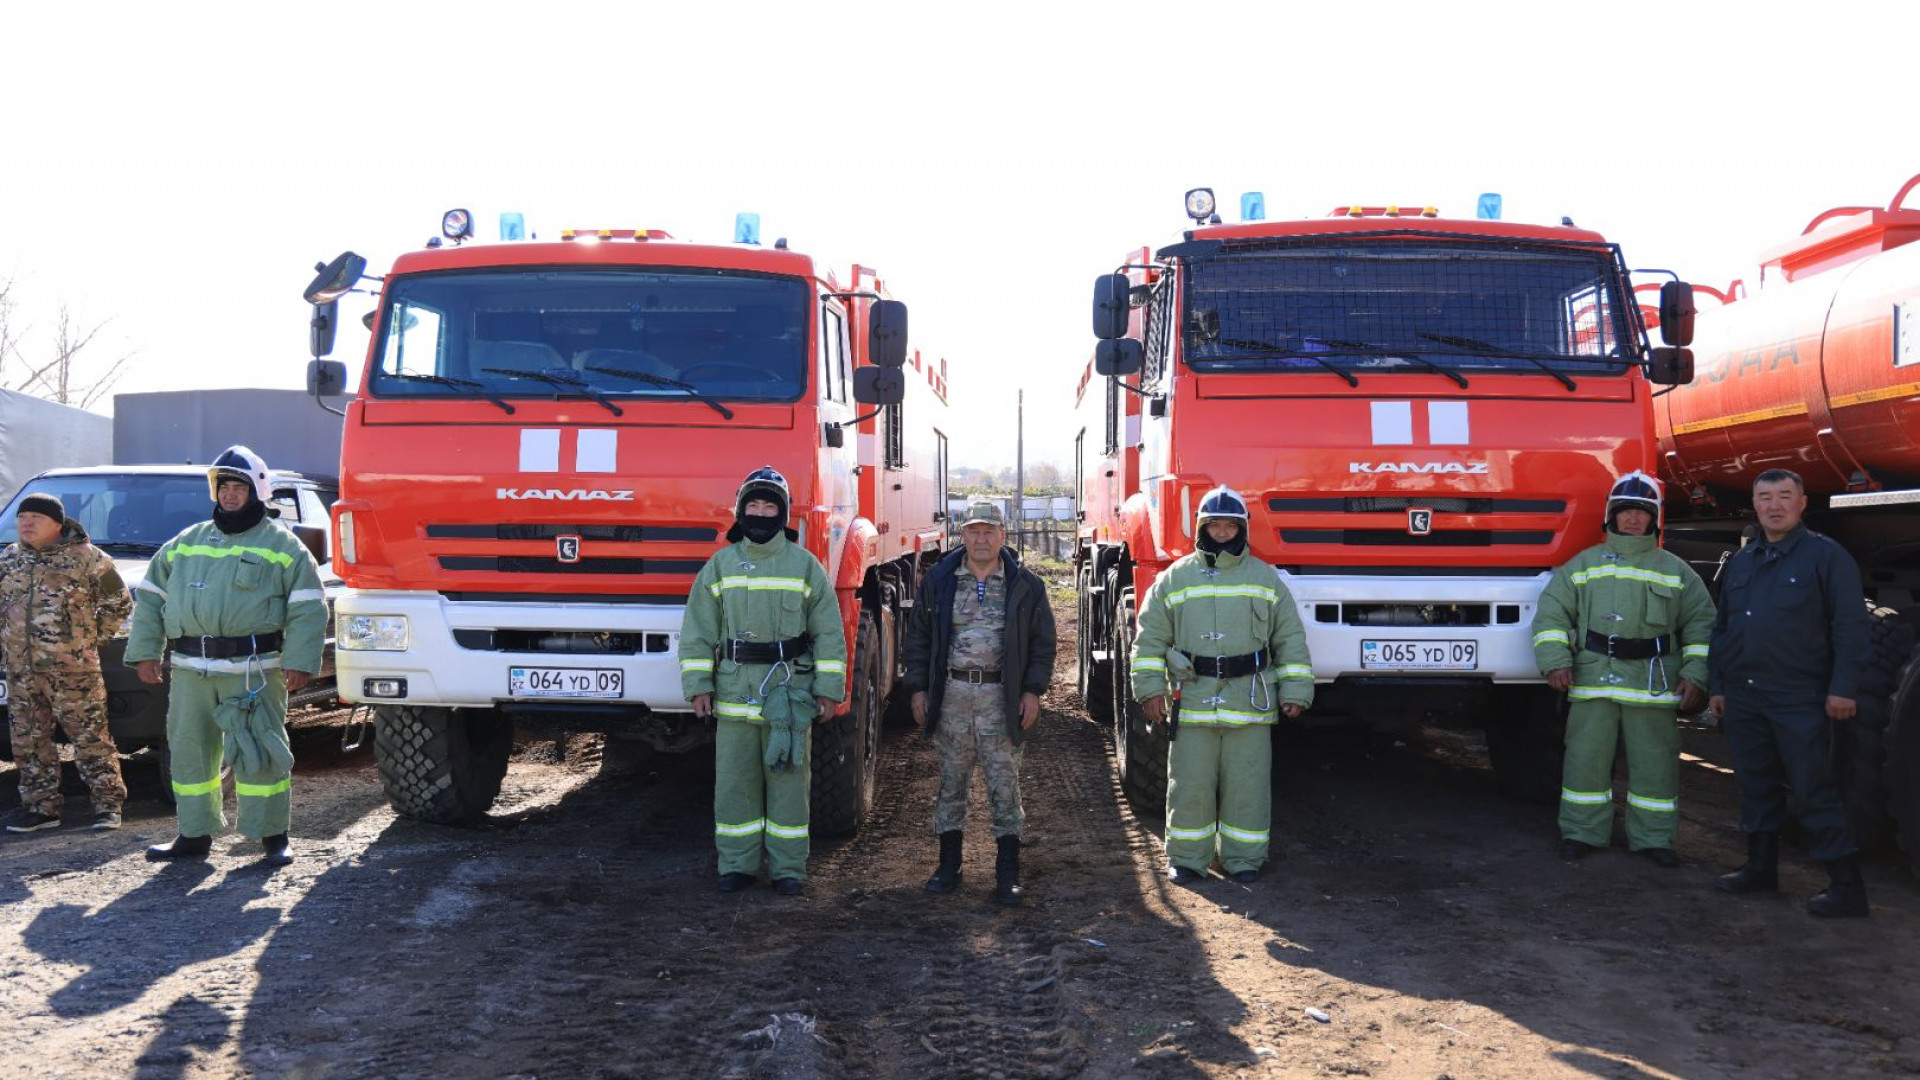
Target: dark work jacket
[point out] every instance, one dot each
(1792, 623)
(1026, 664)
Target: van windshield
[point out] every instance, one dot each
(565, 332)
(136, 511)
(1374, 305)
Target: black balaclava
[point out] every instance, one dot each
(1211, 547)
(759, 530)
(247, 516)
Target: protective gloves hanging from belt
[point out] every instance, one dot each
(788, 709)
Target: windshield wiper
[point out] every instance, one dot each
(1488, 348)
(662, 380)
(555, 379)
(457, 384)
(1371, 349)
(135, 546)
(1260, 350)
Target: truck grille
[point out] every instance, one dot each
(1402, 538)
(1396, 504)
(626, 534)
(532, 564)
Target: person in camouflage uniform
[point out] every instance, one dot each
(1219, 628)
(763, 652)
(60, 597)
(235, 602)
(979, 653)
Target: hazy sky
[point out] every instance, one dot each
(177, 168)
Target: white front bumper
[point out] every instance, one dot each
(1505, 650)
(440, 671)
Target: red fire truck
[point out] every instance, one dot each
(1424, 415)
(543, 451)
(1818, 371)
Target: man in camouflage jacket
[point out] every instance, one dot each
(60, 597)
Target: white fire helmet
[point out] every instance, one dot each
(1221, 502)
(1637, 491)
(239, 463)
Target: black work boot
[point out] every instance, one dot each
(946, 877)
(278, 851)
(181, 847)
(1761, 872)
(732, 883)
(1006, 872)
(1846, 892)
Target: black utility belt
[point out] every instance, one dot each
(1231, 667)
(211, 647)
(972, 676)
(766, 652)
(1629, 648)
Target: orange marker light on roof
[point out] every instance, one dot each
(566, 234)
(1393, 211)
(1357, 211)
(1431, 211)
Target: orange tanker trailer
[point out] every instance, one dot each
(1818, 371)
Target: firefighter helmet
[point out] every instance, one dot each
(1635, 491)
(239, 463)
(1221, 502)
(766, 483)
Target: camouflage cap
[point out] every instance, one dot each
(984, 513)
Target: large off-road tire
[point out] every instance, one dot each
(846, 749)
(1902, 772)
(1139, 749)
(441, 765)
(1527, 742)
(1095, 678)
(1860, 745)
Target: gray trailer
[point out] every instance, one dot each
(37, 435)
(191, 427)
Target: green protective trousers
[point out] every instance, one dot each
(1594, 728)
(265, 800)
(758, 812)
(1220, 796)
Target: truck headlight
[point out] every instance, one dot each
(371, 633)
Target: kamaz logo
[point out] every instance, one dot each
(564, 494)
(1470, 468)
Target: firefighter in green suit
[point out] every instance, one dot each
(762, 651)
(1219, 632)
(237, 602)
(1622, 630)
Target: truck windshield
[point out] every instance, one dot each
(1405, 304)
(608, 333)
(137, 511)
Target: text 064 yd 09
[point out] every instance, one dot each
(565, 682)
(1420, 655)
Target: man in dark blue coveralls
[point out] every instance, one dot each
(1786, 664)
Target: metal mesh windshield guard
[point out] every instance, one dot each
(1413, 302)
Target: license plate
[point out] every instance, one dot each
(3, 689)
(1420, 655)
(565, 682)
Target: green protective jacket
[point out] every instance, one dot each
(205, 582)
(1236, 606)
(58, 604)
(1629, 587)
(763, 593)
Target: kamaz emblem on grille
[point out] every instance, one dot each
(1467, 468)
(1419, 521)
(566, 549)
(564, 494)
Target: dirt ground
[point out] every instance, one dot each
(579, 935)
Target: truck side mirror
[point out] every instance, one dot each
(879, 386)
(1111, 301)
(321, 328)
(335, 279)
(1676, 313)
(1120, 356)
(886, 334)
(326, 378)
(1670, 366)
(315, 539)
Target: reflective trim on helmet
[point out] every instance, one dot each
(1221, 502)
(1586, 798)
(1658, 806)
